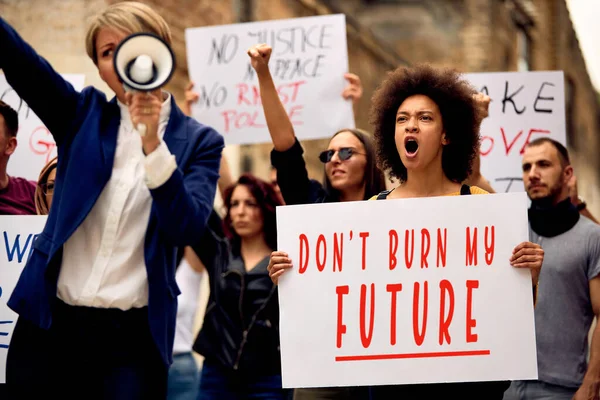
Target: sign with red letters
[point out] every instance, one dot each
(308, 63)
(524, 106)
(405, 291)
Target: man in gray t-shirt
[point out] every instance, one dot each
(568, 293)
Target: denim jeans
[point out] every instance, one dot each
(184, 378)
(537, 390)
(216, 383)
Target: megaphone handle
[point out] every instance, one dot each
(141, 128)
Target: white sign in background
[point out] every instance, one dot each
(18, 234)
(308, 64)
(479, 323)
(525, 106)
(35, 143)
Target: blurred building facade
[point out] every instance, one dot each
(497, 35)
(470, 35)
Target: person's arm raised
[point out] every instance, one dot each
(279, 124)
(482, 105)
(53, 99)
(287, 155)
(577, 201)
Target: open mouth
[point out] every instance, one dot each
(411, 146)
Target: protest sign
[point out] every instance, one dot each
(18, 234)
(36, 145)
(405, 291)
(308, 63)
(525, 106)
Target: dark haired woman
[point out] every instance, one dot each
(426, 126)
(240, 335)
(427, 135)
(351, 174)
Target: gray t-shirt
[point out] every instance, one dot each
(563, 313)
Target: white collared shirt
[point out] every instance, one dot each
(189, 281)
(103, 262)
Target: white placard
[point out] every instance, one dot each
(308, 63)
(18, 234)
(35, 143)
(525, 106)
(353, 267)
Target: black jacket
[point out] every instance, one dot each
(241, 322)
(292, 177)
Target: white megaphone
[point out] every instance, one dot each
(143, 62)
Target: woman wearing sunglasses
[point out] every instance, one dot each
(350, 174)
(350, 169)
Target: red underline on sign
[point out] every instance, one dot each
(439, 354)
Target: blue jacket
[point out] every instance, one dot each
(85, 127)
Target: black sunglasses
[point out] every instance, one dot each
(344, 154)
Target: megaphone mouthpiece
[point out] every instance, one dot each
(142, 69)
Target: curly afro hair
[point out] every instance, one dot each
(454, 97)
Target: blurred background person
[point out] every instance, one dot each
(16, 194)
(44, 190)
(239, 338)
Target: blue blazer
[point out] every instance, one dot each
(85, 127)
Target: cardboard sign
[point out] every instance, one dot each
(36, 145)
(308, 64)
(524, 107)
(405, 291)
(18, 234)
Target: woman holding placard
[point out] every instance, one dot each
(350, 173)
(427, 136)
(426, 126)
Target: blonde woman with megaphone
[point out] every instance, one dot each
(97, 299)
